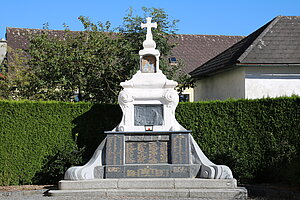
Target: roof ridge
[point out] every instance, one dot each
(260, 36)
(38, 29)
(211, 35)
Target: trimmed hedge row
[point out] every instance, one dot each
(257, 139)
(32, 132)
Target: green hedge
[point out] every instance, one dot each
(258, 139)
(32, 132)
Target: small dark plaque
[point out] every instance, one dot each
(180, 148)
(114, 149)
(148, 114)
(147, 171)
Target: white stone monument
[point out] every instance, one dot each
(149, 153)
(149, 86)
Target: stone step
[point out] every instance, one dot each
(222, 194)
(158, 188)
(154, 183)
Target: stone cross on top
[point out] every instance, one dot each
(149, 39)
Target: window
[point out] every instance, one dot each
(184, 98)
(173, 60)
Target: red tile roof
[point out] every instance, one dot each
(193, 50)
(18, 38)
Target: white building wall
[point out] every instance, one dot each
(230, 84)
(3, 49)
(190, 92)
(274, 81)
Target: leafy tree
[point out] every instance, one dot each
(90, 64)
(16, 75)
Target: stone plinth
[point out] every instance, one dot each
(164, 154)
(156, 188)
(147, 154)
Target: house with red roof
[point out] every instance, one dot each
(264, 64)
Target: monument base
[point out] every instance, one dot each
(158, 188)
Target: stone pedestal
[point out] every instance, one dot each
(149, 155)
(162, 164)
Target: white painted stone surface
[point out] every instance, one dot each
(149, 89)
(86, 171)
(208, 169)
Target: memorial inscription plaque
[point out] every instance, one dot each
(114, 149)
(144, 171)
(148, 114)
(154, 152)
(180, 148)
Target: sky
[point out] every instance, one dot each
(204, 17)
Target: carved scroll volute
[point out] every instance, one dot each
(172, 99)
(124, 98)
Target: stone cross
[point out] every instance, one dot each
(149, 25)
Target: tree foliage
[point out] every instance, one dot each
(16, 75)
(90, 64)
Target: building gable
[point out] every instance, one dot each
(277, 42)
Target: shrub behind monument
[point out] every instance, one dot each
(31, 133)
(257, 139)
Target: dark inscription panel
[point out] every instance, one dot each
(114, 150)
(148, 115)
(180, 149)
(154, 152)
(153, 171)
(114, 172)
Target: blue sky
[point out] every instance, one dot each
(210, 17)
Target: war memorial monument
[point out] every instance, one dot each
(149, 154)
